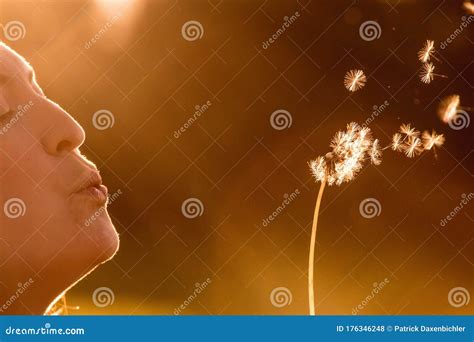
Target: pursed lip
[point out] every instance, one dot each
(92, 186)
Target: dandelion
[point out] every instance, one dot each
(350, 150)
(427, 73)
(427, 51)
(354, 80)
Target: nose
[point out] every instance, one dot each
(62, 133)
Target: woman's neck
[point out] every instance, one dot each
(27, 298)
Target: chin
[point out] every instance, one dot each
(101, 247)
(92, 247)
(105, 240)
(96, 243)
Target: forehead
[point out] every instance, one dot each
(11, 63)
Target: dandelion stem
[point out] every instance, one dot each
(65, 305)
(311, 250)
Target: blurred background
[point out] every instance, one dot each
(177, 97)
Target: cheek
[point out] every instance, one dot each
(25, 213)
(21, 152)
(21, 186)
(26, 201)
(47, 237)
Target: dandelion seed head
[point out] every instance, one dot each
(426, 51)
(426, 73)
(448, 108)
(349, 151)
(354, 80)
(318, 168)
(432, 139)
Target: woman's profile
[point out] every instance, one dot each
(48, 190)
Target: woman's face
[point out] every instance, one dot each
(48, 190)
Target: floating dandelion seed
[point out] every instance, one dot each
(408, 141)
(354, 80)
(448, 108)
(375, 153)
(414, 147)
(427, 51)
(468, 7)
(427, 73)
(397, 142)
(408, 130)
(432, 140)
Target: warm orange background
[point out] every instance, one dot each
(231, 158)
